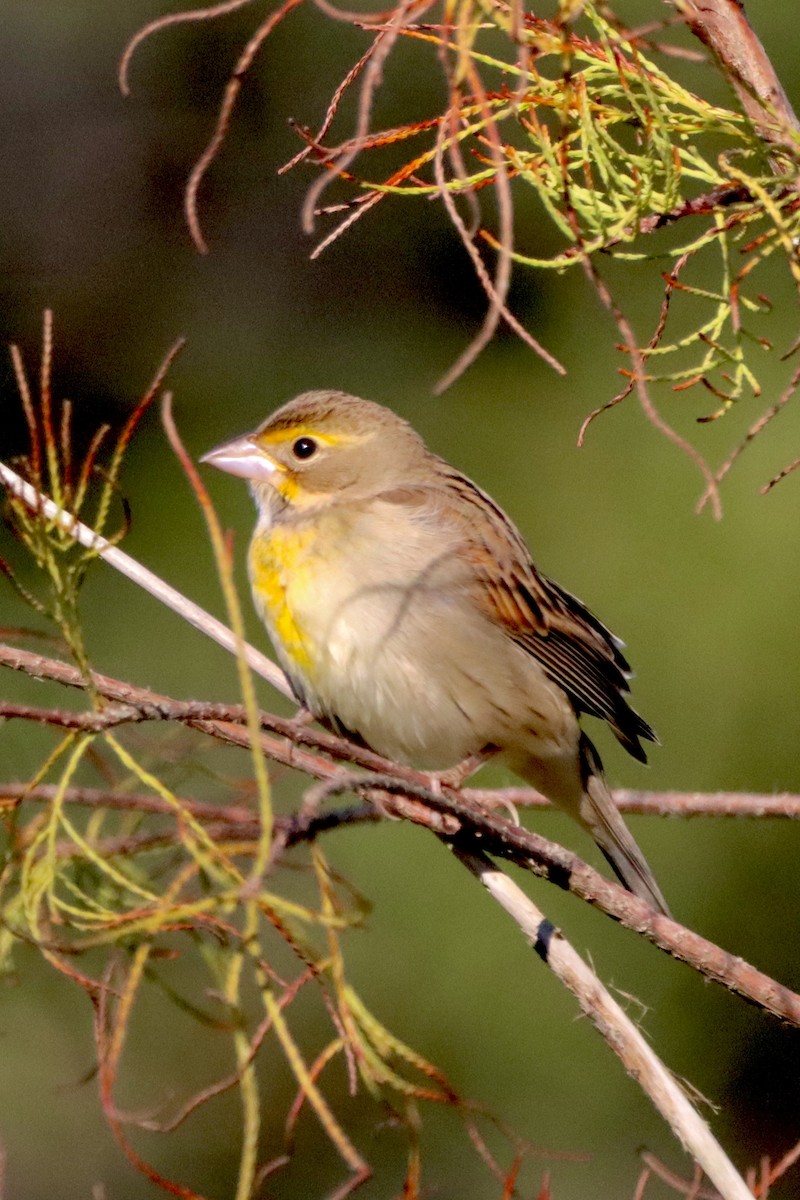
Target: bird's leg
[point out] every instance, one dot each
(302, 717)
(453, 777)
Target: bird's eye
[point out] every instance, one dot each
(304, 447)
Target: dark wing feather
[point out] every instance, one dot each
(575, 649)
(585, 658)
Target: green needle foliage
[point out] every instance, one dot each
(615, 150)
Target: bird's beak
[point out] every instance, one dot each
(242, 457)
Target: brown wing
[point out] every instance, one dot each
(575, 649)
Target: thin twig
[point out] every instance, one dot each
(145, 578)
(498, 294)
(220, 133)
(663, 804)
(755, 429)
(787, 470)
(178, 18)
(645, 400)
(497, 301)
(372, 77)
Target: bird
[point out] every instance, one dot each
(406, 611)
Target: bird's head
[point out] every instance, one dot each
(325, 446)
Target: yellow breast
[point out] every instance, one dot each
(281, 563)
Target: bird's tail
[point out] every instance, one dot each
(600, 816)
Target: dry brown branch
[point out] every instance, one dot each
(179, 18)
(792, 466)
(635, 802)
(709, 804)
(403, 792)
(690, 1189)
(228, 819)
(665, 804)
(755, 805)
(723, 26)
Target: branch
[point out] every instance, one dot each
(756, 805)
(304, 825)
(145, 578)
(500, 837)
(612, 1022)
(723, 26)
(664, 804)
(403, 792)
(224, 721)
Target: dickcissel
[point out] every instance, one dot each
(405, 609)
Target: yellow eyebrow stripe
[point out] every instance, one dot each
(279, 436)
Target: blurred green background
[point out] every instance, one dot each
(91, 225)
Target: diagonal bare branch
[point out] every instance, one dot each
(412, 795)
(723, 26)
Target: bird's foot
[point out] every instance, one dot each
(455, 776)
(503, 802)
(302, 718)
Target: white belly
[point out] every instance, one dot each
(387, 668)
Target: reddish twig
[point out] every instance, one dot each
(179, 18)
(640, 382)
(496, 299)
(232, 89)
(781, 475)
(752, 805)
(772, 1174)
(372, 76)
